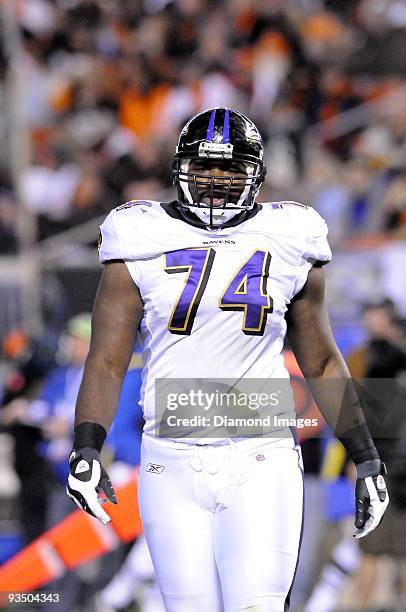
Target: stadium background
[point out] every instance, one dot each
(92, 97)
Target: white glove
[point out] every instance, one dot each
(371, 496)
(87, 478)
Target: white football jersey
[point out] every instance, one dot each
(214, 302)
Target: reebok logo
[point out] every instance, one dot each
(82, 466)
(155, 468)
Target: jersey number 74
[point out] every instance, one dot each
(246, 291)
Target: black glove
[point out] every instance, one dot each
(371, 496)
(87, 478)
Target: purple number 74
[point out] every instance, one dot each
(246, 291)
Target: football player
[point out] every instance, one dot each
(212, 282)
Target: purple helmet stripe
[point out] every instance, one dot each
(210, 129)
(226, 128)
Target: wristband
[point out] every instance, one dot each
(374, 467)
(359, 444)
(89, 434)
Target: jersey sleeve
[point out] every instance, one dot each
(109, 245)
(113, 246)
(317, 248)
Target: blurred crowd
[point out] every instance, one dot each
(105, 85)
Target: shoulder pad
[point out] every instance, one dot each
(126, 233)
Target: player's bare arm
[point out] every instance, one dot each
(312, 341)
(114, 326)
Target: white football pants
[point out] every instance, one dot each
(222, 522)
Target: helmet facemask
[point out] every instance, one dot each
(216, 190)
